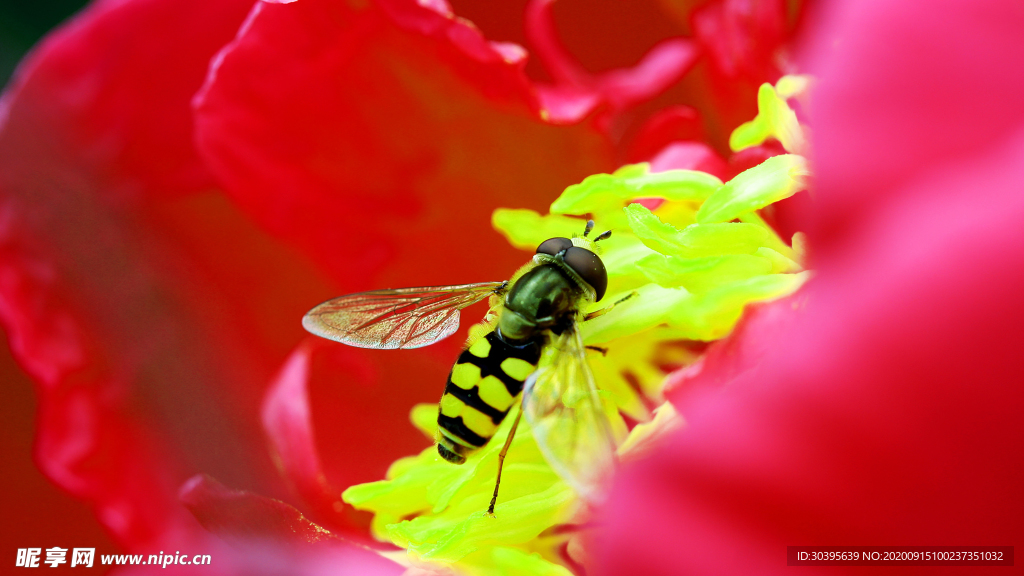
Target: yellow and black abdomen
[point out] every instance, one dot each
(482, 387)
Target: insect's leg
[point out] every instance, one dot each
(501, 460)
(609, 307)
(603, 351)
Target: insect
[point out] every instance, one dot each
(531, 348)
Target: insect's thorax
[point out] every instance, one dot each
(545, 298)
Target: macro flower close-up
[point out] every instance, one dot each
(755, 283)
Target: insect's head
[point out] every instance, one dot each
(580, 256)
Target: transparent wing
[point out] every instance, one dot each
(389, 319)
(569, 418)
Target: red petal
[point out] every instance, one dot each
(238, 515)
(746, 43)
(31, 502)
(355, 425)
(361, 399)
(749, 157)
(289, 426)
(380, 140)
(667, 125)
(120, 113)
(124, 299)
(270, 537)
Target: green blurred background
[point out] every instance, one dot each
(23, 23)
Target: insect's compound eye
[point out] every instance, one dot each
(554, 246)
(589, 266)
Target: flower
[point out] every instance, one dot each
(170, 180)
(887, 410)
(691, 271)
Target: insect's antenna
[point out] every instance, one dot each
(604, 236)
(590, 226)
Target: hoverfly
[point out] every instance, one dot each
(532, 346)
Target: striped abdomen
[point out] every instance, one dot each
(482, 386)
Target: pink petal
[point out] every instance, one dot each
(662, 66)
(904, 90)
(742, 36)
(898, 387)
(559, 63)
(286, 420)
(749, 344)
(690, 156)
(618, 89)
(565, 105)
